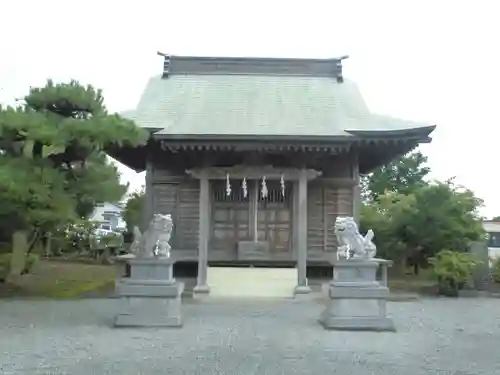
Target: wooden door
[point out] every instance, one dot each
(274, 217)
(230, 216)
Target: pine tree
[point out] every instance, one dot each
(53, 168)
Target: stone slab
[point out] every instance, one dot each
(147, 282)
(247, 282)
(357, 307)
(152, 269)
(378, 324)
(354, 262)
(359, 293)
(143, 310)
(125, 289)
(301, 290)
(151, 261)
(355, 270)
(125, 321)
(354, 284)
(201, 292)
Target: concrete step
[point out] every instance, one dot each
(241, 282)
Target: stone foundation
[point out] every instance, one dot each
(357, 300)
(150, 297)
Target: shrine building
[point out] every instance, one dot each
(255, 158)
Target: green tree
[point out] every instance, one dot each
(436, 216)
(404, 175)
(385, 216)
(98, 181)
(447, 217)
(52, 156)
(132, 214)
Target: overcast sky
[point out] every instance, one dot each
(431, 60)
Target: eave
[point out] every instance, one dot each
(132, 157)
(374, 148)
(289, 143)
(421, 132)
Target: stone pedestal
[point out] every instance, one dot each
(357, 300)
(150, 297)
(122, 266)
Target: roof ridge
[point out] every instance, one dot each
(272, 66)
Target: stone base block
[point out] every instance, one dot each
(358, 302)
(153, 310)
(152, 268)
(354, 323)
(302, 291)
(357, 307)
(201, 292)
(146, 321)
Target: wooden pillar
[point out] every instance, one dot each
(302, 287)
(148, 209)
(204, 222)
(356, 191)
(254, 209)
(295, 217)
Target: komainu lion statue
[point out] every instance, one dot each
(154, 242)
(351, 244)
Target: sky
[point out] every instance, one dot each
(428, 60)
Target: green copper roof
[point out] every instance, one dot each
(258, 105)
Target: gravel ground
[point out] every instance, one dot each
(435, 336)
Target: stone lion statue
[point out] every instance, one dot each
(351, 244)
(154, 242)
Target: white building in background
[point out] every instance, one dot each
(109, 213)
(492, 228)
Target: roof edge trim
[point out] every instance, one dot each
(398, 132)
(354, 135)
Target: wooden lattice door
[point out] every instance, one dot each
(230, 216)
(274, 217)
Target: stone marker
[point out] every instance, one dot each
(481, 275)
(150, 296)
(357, 299)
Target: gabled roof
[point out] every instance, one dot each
(204, 105)
(211, 100)
(250, 102)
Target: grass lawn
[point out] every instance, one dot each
(412, 284)
(60, 279)
(66, 279)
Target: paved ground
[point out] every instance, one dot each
(435, 336)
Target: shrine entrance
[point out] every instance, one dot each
(252, 213)
(242, 213)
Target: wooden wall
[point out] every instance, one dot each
(179, 196)
(325, 203)
(328, 197)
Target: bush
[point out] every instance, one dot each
(495, 270)
(452, 270)
(5, 259)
